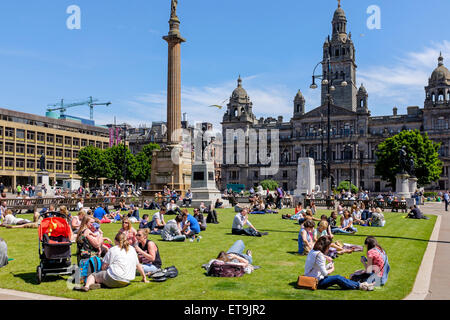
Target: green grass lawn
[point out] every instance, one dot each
(404, 240)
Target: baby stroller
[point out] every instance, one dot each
(55, 235)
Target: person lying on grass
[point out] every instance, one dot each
(118, 267)
(316, 267)
(11, 220)
(323, 231)
(236, 256)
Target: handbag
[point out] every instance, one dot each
(309, 283)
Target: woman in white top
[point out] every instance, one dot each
(118, 267)
(347, 222)
(316, 267)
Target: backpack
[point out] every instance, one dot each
(225, 270)
(163, 275)
(89, 266)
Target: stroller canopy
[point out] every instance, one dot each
(54, 227)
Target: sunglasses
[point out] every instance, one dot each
(139, 235)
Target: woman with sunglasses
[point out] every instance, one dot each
(129, 231)
(148, 253)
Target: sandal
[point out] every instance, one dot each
(249, 252)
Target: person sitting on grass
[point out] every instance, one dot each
(187, 200)
(190, 226)
(129, 231)
(218, 204)
(376, 265)
(172, 208)
(316, 267)
(133, 214)
(148, 253)
(158, 223)
(332, 221)
(118, 267)
(241, 220)
(347, 222)
(76, 223)
(3, 253)
(200, 219)
(100, 214)
(172, 230)
(307, 237)
(357, 216)
(145, 223)
(415, 213)
(211, 213)
(377, 219)
(89, 242)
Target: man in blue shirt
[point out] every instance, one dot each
(190, 226)
(99, 213)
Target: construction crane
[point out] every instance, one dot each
(62, 108)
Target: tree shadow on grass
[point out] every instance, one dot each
(30, 277)
(394, 237)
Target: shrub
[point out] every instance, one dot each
(269, 184)
(430, 194)
(345, 185)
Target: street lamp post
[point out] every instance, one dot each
(349, 148)
(326, 80)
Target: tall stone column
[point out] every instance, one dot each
(174, 41)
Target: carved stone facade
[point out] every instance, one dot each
(355, 134)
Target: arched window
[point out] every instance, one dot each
(433, 97)
(441, 96)
(235, 112)
(361, 103)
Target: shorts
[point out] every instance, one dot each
(104, 278)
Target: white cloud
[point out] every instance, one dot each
(402, 83)
(267, 101)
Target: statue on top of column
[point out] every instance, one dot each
(173, 12)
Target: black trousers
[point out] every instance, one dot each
(212, 216)
(246, 232)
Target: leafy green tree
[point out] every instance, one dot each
(345, 185)
(122, 163)
(92, 164)
(269, 184)
(424, 151)
(142, 171)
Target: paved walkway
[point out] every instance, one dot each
(433, 277)
(19, 295)
(440, 277)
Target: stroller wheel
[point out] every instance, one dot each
(39, 275)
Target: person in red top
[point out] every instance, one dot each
(374, 263)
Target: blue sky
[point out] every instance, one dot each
(119, 55)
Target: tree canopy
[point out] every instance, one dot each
(116, 163)
(423, 150)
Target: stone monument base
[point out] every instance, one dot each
(402, 186)
(176, 175)
(203, 185)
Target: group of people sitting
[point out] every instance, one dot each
(319, 265)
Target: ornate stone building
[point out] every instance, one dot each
(355, 134)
